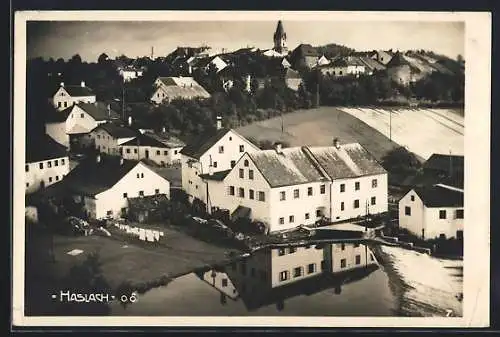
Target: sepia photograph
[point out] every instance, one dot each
(246, 168)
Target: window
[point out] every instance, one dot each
(142, 175)
(250, 174)
(135, 150)
(296, 194)
(407, 210)
(242, 148)
(158, 152)
(343, 263)
(26, 168)
(282, 221)
(284, 275)
(242, 173)
(58, 104)
(124, 195)
(322, 189)
(356, 203)
(221, 149)
(196, 186)
(127, 150)
(412, 198)
(165, 152)
(292, 250)
(262, 196)
(281, 251)
(27, 184)
(231, 190)
(297, 272)
(176, 151)
(318, 213)
(50, 179)
(356, 245)
(98, 136)
(49, 164)
(241, 192)
(459, 214)
(245, 163)
(311, 268)
(230, 138)
(251, 194)
(214, 164)
(342, 246)
(442, 214)
(282, 196)
(358, 259)
(65, 104)
(62, 161)
(233, 163)
(109, 213)
(356, 186)
(309, 191)
(57, 178)
(82, 115)
(342, 188)
(291, 218)
(373, 201)
(374, 183)
(224, 282)
(138, 175)
(141, 193)
(157, 191)
(342, 206)
(307, 216)
(56, 162)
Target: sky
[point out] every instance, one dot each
(91, 38)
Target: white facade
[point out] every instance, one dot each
(141, 180)
(106, 143)
(79, 121)
(62, 99)
(429, 222)
(57, 131)
(340, 71)
(218, 63)
(130, 74)
(160, 155)
(220, 156)
(45, 173)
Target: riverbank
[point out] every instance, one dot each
(425, 286)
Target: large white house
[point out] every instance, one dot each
(343, 66)
(433, 211)
(71, 127)
(104, 184)
(47, 162)
(286, 188)
(68, 95)
(161, 148)
(108, 137)
(169, 88)
(211, 154)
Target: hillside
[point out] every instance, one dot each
(332, 50)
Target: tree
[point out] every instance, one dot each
(401, 161)
(102, 58)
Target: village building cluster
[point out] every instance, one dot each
(281, 188)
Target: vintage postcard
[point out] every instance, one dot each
(306, 169)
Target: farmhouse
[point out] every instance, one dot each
(161, 148)
(433, 211)
(103, 185)
(72, 126)
(108, 137)
(286, 188)
(401, 71)
(169, 88)
(128, 73)
(344, 66)
(69, 95)
(211, 154)
(46, 163)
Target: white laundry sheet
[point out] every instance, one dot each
(75, 252)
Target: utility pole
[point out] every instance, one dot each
(390, 125)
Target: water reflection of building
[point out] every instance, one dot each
(274, 275)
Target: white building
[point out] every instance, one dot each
(104, 184)
(161, 148)
(169, 88)
(129, 73)
(108, 137)
(343, 66)
(71, 127)
(68, 95)
(286, 188)
(433, 211)
(47, 162)
(213, 153)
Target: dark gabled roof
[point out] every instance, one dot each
(78, 91)
(438, 196)
(216, 176)
(91, 178)
(443, 162)
(371, 63)
(99, 111)
(398, 60)
(117, 130)
(55, 116)
(39, 148)
(200, 145)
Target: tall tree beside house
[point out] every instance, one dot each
(102, 58)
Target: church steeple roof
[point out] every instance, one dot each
(280, 31)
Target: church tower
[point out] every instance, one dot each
(280, 39)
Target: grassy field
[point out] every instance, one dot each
(319, 127)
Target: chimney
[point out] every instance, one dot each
(129, 120)
(82, 84)
(336, 143)
(277, 146)
(98, 158)
(219, 122)
(62, 84)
